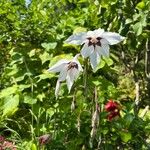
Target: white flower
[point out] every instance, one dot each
(69, 71)
(95, 44)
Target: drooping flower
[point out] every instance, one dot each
(95, 44)
(69, 71)
(113, 114)
(111, 106)
(2, 138)
(8, 145)
(113, 109)
(44, 139)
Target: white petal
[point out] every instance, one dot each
(77, 38)
(94, 59)
(76, 56)
(79, 66)
(99, 32)
(104, 48)
(95, 33)
(86, 50)
(58, 66)
(90, 33)
(112, 37)
(75, 59)
(63, 74)
(57, 89)
(71, 76)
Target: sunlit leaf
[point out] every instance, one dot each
(10, 105)
(49, 46)
(125, 136)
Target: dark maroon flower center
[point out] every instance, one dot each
(72, 65)
(94, 41)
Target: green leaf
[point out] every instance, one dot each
(96, 82)
(43, 13)
(128, 119)
(49, 46)
(24, 86)
(128, 21)
(143, 20)
(108, 61)
(8, 91)
(137, 28)
(140, 5)
(107, 3)
(125, 136)
(79, 29)
(29, 100)
(33, 147)
(45, 76)
(44, 57)
(10, 105)
(32, 53)
(101, 64)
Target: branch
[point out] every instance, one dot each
(147, 60)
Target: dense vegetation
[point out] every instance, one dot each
(32, 36)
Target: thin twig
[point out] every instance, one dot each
(147, 60)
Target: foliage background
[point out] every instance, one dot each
(32, 38)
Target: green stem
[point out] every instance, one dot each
(85, 77)
(32, 86)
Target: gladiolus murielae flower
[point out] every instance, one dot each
(113, 109)
(69, 71)
(95, 44)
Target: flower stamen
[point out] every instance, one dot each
(72, 65)
(94, 41)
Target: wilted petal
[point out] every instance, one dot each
(57, 89)
(77, 38)
(86, 50)
(58, 66)
(44, 139)
(112, 37)
(94, 59)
